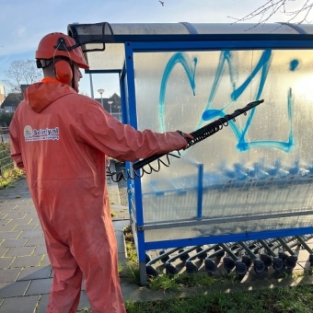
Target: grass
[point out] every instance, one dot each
(279, 300)
(203, 294)
(9, 177)
(8, 174)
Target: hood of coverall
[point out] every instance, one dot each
(40, 95)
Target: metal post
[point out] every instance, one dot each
(200, 191)
(101, 91)
(91, 86)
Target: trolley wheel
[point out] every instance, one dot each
(166, 256)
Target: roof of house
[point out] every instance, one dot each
(111, 104)
(23, 87)
(12, 100)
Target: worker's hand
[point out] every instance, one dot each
(186, 136)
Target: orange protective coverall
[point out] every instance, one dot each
(61, 139)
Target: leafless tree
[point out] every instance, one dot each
(22, 72)
(271, 7)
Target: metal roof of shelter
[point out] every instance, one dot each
(103, 43)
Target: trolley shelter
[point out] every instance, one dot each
(253, 179)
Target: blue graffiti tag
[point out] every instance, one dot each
(262, 66)
(190, 69)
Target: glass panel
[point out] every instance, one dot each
(148, 28)
(308, 28)
(262, 163)
(112, 58)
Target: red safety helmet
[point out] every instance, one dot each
(59, 45)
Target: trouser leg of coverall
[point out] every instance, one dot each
(103, 291)
(97, 257)
(67, 279)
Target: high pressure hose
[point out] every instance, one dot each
(198, 135)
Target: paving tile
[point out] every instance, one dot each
(19, 304)
(21, 251)
(84, 302)
(32, 215)
(38, 227)
(16, 215)
(39, 286)
(3, 251)
(13, 196)
(40, 250)
(11, 243)
(28, 208)
(15, 209)
(5, 262)
(45, 261)
(3, 215)
(13, 289)
(32, 273)
(7, 235)
(33, 221)
(30, 234)
(120, 225)
(121, 258)
(6, 222)
(9, 275)
(26, 220)
(26, 261)
(29, 201)
(43, 303)
(36, 241)
(23, 227)
(9, 227)
(9, 207)
(120, 241)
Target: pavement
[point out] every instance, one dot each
(25, 271)
(26, 274)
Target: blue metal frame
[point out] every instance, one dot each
(220, 45)
(200, 191)
(203, 38)
(264, 42)
(154, 245)
(130, 77)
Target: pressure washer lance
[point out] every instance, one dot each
(203, 132)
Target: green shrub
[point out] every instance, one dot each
(5, 119)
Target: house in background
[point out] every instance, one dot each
(11, 102)
(2, 93)
(112, 105)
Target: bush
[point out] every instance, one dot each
(5, 157)
(8, 174)
(5, 119)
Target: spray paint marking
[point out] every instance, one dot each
(226, 57)
(190, 69)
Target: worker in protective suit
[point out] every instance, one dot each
(61, 140)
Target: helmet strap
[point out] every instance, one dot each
(61, 45)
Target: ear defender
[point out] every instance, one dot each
(63, 71)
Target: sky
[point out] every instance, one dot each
(24, 23)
